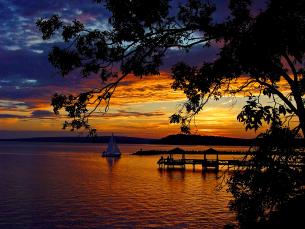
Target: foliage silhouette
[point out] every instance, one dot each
(260, 48)
(267, 187)
(261, 54)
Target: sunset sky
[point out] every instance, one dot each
(140, 107)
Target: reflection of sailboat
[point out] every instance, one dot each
(112, 149)
(111, 161)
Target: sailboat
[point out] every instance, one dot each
(112, 149)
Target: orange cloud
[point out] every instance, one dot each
(139, 107)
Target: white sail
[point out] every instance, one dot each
(112, 149)
(110, 145)
(115, 148)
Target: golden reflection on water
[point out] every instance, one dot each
(72, 186)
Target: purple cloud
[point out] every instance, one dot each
(42, 114)
(37, 114)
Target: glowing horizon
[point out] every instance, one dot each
(139, 108)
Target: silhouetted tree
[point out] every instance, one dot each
(263, 49)
(273, 180)
(260, 54)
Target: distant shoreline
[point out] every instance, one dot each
(188, 152)
(178, 139)
(103, 139)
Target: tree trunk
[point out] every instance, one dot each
(302, 124)
(300, 109)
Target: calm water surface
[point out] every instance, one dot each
(50, 185)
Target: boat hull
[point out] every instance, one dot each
(110, 155)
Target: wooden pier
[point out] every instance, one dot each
(205, 163)
(171, 163)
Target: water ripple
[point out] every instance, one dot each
(62, 188)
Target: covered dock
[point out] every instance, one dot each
(206, 163)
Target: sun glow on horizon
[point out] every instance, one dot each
(139, 108)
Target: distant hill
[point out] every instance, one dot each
(178, 139)
(182, 139)
(100, 139)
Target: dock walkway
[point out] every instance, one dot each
(171, 163)
(205, 163)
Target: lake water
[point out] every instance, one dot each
(51, 185)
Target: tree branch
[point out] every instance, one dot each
(291, 65)
(279, 94)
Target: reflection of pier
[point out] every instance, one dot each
(171, 163)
